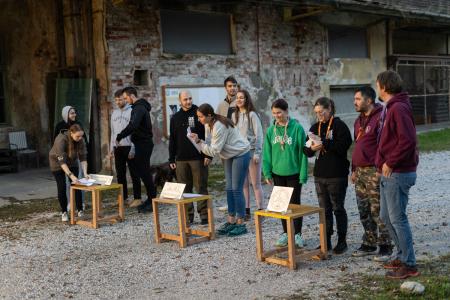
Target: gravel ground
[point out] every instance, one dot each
(122, 261)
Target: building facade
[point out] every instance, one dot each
(297, 50)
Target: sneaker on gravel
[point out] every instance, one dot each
(299, 243)
(64, 217)
(80, 214)
(282, 240)
(403, 272)
(238, 229)
(225, 228)
(384, 254)
(135, 203)
(222, 208)
(393, 264)
(364, 250)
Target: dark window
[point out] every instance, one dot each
(140, 77)
(343, 96)
(194, 32)
(347, 42)
(423, 42)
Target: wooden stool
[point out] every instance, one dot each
(296, 211)
(96, 204)
(185, 233)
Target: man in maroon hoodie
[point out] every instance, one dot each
(365, 178)
(397, 158)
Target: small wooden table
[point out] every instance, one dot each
(296, 211)
(184, 237)
(96, 204)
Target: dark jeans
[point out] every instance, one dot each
(60, 178)
(121, 161)
(143, 151)
(194, 174)
(331, 194)
(291, 181)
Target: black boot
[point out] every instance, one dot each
(248, 215)
(145, 207)
(341, 247)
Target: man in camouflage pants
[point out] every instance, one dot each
(367, 183)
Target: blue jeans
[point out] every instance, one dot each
(394, 192)
(236, 169)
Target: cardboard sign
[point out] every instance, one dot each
(172, 190)
(280, 198)
(101, 179)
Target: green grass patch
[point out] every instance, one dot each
(21, 210)
(434, 140)
(434, 276)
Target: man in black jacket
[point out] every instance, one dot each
(191, 166)
(140, 128)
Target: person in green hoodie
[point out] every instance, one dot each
(284, 163)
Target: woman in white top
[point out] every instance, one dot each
(249, 125)
(224, 140)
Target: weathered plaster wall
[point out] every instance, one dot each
(273, 59)
(29, 34)
(289, 62)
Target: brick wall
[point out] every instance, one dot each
(290, 62)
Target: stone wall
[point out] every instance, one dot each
(273, 59)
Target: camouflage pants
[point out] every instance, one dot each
(367, 187)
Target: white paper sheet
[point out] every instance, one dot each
(197, 146)
(280, 198)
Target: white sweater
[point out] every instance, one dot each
(252, 130)
(223, 141)
(119, 120)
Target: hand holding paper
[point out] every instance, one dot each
(193, 137)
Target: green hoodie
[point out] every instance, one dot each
(289, 161)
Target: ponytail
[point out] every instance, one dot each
(207, 110)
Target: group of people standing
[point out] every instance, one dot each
(383, 167)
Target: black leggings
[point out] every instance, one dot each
(60, 177)
(291, 181)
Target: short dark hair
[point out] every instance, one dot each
(229, 78)
(130, 90)
(326, 103)
(118, 93)
(390, 81)
(367, 92)
(281, 104)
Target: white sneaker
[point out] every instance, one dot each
(222, 208)
(64, 217)
(80, 214)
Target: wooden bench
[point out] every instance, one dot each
(295, 211)
(97, 205)
(186, 234)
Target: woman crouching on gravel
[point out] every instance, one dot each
(68, 148)
(224, 140)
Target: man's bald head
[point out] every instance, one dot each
(185, 98)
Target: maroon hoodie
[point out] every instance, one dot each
(398, 144)
(365, 134)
